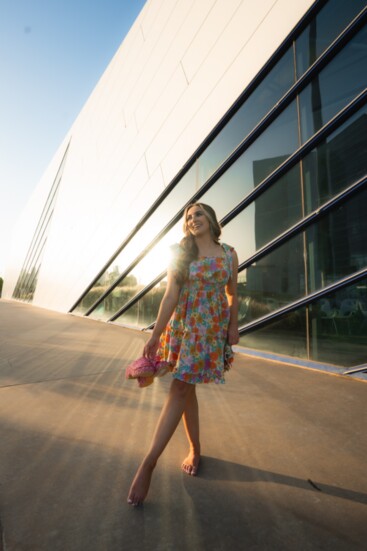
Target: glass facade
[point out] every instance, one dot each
(335, 86)
(286, 174)
(27, 280)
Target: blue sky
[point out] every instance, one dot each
(52, 54)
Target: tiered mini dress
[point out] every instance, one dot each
(194, 341)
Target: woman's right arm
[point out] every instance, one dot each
(166, 308)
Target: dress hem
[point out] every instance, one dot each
(215, 381)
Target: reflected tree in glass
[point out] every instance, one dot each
(338, 326)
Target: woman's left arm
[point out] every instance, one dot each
(231, 292)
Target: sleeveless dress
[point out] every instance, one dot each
(194, 341)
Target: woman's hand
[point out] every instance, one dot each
(233, 335)
(166, 308)
(151, 347)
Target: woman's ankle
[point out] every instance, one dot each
(149, 462)
(195, 449)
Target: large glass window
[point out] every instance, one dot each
(272, 282)
(335, 86)
(336, 247)
(338, 326)
(337, 244)
(144, 312)
(286, 335)
(271, 148)
(337, 329)
(162, 215)
(323, 29)
(269, 215)
(337, 162)
(257, 105)
(153, 264)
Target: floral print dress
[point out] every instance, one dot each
(194, 341)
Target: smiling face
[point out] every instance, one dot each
(196, 221)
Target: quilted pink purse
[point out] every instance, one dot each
(144, 370)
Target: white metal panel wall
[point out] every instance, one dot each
(177, 72)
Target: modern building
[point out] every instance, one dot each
(256, 108)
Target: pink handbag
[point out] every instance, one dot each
(144, 370)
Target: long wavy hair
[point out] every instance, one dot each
(188, 248)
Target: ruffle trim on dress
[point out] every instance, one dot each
(187, 376)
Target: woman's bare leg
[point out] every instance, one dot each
(170, 417)
(191, 422)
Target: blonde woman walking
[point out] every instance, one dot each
(196, 325)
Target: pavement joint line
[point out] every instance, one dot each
(59, 379)
(314, 485)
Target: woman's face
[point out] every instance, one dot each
(197, 222)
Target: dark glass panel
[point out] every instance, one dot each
(337, 162)
(338, 326)
(266, 95)
(271, 148)
(269, 215)
(337, 245)
(323, 30)
(272, 282)
(145, 311)
(286, 335)
(335, 86)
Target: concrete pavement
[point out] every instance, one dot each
(284, 463)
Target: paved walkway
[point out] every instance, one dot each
(284, 464)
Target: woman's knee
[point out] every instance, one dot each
(182, 389)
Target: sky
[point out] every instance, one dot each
(52, 54)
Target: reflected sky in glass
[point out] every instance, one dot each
(161, 216)
(272, 147)
(336, 85)
(337, 162)
(269, 215)
(327, 25)
(257, 105)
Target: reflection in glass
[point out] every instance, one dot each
(338, 326)
(337, 244)
(278, 208)
(337, 162)
(335, 86)
(271, 148)
(145, 311)
(272, 282)
(257, 105)
(176, 199)
(153, 264)
(323, 29)
(286, 335)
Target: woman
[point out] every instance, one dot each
(200, 304)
